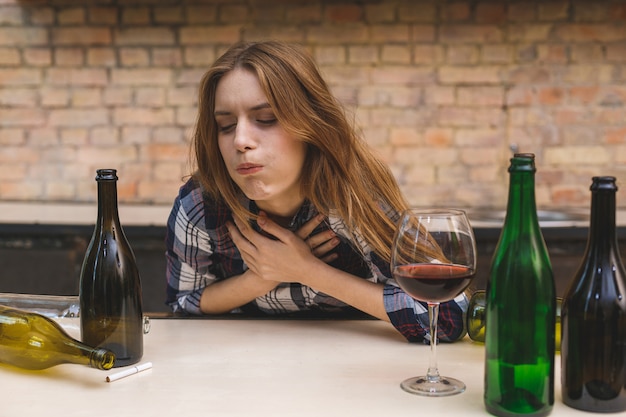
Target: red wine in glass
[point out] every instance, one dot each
(433, 282)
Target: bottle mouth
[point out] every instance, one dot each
(107, 174)
(103, 359)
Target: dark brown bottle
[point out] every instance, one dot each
(110, 287)
(593, 347)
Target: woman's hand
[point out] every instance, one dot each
(284, 259)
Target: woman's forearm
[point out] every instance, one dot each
(224, 296)
(357, 292)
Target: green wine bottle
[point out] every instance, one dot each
(593, 352)
(32, 341)
(521, 302)
(110, 287)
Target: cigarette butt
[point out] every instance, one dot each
(129, 371)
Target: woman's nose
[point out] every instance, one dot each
(244, 139)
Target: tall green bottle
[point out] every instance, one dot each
(521, 303)
(593, 352)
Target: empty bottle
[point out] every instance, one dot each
(475, 318)
(110, 286)
(521, 303)
(32, 341)
(593, 350)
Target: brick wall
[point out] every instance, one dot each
(442, 89)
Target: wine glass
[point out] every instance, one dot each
(433, 260)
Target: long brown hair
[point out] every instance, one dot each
(341, 174)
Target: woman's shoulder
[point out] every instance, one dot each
(198, 205)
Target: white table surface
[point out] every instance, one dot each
(258, 368)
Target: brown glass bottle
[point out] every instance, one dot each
(110, 286)
(593, 347)
(32, 341)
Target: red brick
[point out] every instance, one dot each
(380, 13)
(150, 97)
(456, 12)
(550, 95)
(470, 33)
(23, 36)
(86, 97)
(490, 13)
(165, 152)
(18, 97)
(103, 15)
(344, 13)
(19, 154)
(71, 16)
(616, 52)
(615, 135)
(139, 36)
(101, 57)
(83, 35)
(553, 10)
(438, 137)
(583, 94)
(198, 56)
(366, 54)
(480, 96)
(598, 32)
(470, 75)
(530, 75)
(167, 57)
(142, 116)
(12, 136)
(521, 12)
(69, 57)
(9, 56)
(590, 11)
(338, 34)
(76, 117)
(529, 32)
(402, 75)
(201, 35)
(134, 57)
(10, 15)
(462, 54)
(38, 57)
(200, 14)
(389, 33)
(168, 15)
(304, 13)
(233, 13)
(76, 76)
(147, 76)
(617, 11)
(423, 33)
(416, 13)
(19, 77)
(41, 15)
(136, 15)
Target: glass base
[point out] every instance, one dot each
(433, 387)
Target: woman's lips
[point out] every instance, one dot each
(247, 169)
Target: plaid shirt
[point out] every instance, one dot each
(200, 252)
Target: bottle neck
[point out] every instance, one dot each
(107, 202)
(521, 205)
(602, 234)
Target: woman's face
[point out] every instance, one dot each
(261, 157)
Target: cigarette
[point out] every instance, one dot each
(129, 371)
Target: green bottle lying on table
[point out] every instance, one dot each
(475, 319)
(32, 341)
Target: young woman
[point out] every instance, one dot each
(288, 210)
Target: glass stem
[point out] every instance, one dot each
(433, 315)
